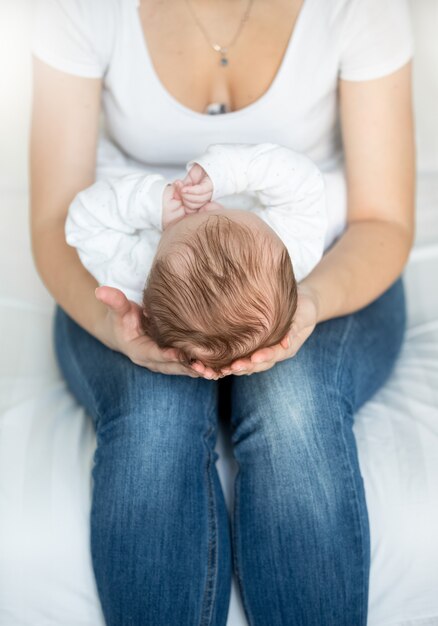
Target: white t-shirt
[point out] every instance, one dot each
(353, 40)
(115, 224)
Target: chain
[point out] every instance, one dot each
(221, 49)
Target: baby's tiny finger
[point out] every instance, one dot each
(191, 202)
(199, 198)
(203, 187)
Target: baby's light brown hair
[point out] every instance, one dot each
(220, 294)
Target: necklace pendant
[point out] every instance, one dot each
(223, 51)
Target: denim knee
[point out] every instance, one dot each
(299, 445)
(288, 409)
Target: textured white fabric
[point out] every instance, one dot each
(115, 223)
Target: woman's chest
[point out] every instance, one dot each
(278, 85)
(227, 52)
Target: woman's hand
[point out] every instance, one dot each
(124, 334)
(305, 320)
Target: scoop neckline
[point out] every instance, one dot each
(253, 106)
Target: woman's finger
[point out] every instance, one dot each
(173, 369)
(240, 364)
(264, 354)
(203, 370)
(144, 345)
(114, 299)
(145, 352)
(170, 353)
(255, 368)
(285, 342)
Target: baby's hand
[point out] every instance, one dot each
(196, 189)
(173, 209)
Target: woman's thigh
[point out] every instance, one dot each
(108, 383)
(300, 525)
(159, 529)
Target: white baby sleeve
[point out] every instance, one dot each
(227, 167)
(288, 185)
(115, 225)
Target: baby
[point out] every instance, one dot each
(215, 282)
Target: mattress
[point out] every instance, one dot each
(47, 444)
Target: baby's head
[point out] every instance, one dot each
(221, 286)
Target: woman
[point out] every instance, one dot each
(296, 72)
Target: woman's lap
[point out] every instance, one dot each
(299, 529)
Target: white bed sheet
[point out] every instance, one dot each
(47, 444)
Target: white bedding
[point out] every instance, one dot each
(47, 443)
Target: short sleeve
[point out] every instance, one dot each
(377, 39)
(72, 35)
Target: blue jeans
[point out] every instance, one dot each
(162, 545)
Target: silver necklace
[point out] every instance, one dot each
(217, 47)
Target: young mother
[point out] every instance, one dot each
(303, 74)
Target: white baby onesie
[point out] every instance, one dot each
(116, 223)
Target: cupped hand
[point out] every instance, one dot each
(123, 333)
(305, 320)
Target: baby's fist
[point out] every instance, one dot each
(196, 189)
(173, 209)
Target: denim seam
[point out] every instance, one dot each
(234, 535)
(212, 565)
(349, 469)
